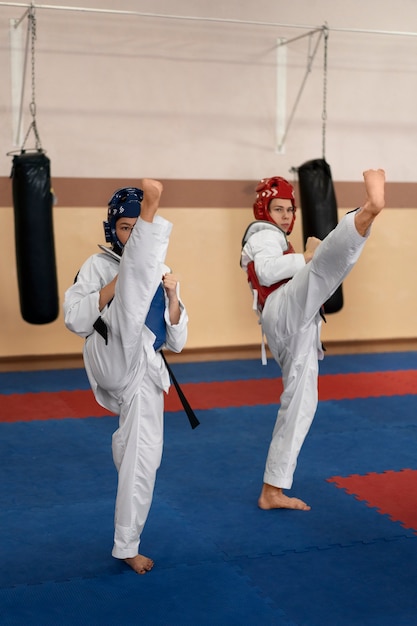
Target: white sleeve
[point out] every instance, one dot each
(266, 248)
(81, 300)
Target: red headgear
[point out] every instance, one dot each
(266, 190)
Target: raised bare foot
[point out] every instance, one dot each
(374, 185)
(375, 200)
(273, 498)
(140, 564)
(152, 190)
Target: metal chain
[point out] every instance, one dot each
(324, 112)
(32, 106)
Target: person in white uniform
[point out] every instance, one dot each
(126, 303)
(289, 291)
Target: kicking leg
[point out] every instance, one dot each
(113, 365)
(375, 200)
(335, 256)
(152, 190)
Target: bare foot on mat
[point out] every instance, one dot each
(140, 564)
(273, 498)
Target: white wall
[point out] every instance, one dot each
(127, 96)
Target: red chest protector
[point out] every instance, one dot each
(261, 290)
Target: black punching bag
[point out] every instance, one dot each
(34, 238)
(319, 211)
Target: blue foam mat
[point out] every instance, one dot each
(219, 559)
(344, 586)
(185, 596)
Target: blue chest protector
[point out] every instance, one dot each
(155, 319)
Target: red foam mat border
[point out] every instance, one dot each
(208, 395)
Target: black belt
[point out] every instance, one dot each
(187, 408)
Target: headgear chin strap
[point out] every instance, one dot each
(125, 202)
(266, 190)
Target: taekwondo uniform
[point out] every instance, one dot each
(125, 369)
(291, 322)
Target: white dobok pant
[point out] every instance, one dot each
(291, 322)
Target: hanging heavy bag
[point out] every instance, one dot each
(319, 211)
(34, 238)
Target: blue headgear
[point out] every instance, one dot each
(125, 202)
